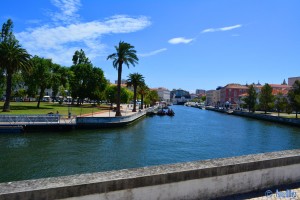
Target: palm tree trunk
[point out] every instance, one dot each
(118, 111)
(6, 107)
(142, 101)
(134, 98)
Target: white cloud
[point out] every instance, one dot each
(60, 41)
(67, 8)
(152, 53)
(180, 40)
(228, 28)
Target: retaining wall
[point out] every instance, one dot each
(192, 180)
(87, 122)
(289, 121)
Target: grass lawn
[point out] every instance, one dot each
(29, 108)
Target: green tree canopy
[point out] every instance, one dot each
(111, 94)
(86, 81)
(266, 98)
(39, 77)
(125, 54)
(79, 57)
(135, 80)
(250, 100)
(13, 58)
(280, 103)
(152, 97)
(294, 97)
(143, 90)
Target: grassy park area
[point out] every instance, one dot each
(29, 108)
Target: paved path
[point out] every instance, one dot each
(124, 112)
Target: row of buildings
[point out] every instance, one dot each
(233, 93)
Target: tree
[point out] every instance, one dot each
(294, 97)
(7, 35)
(143, 89)
(13, 58)
(79, 82)
(86, 80)
(98, 84)
(284, 82)
(111, 94)
(250, 100)
(266, 98)
(280, 103)
(60, 78)
(40, 77)
(152, 97)
(135, 80)
(125, 53)
(80, 58)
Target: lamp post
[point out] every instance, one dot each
(110, 106)
(68, 101)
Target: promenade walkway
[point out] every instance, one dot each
(126, 110)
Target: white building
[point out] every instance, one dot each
(213, 97)
(164, 94)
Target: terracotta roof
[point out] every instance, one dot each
(279, 86)
(233, 85)
(276, 92)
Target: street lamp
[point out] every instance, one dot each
(68, 101)
(110, 106)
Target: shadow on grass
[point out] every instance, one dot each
(25, 108)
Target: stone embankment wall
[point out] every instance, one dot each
(282, 120)
(192, 180)
(88, 122)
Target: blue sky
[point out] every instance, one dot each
(188, 44)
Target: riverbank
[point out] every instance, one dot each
(259, 116)
(56, 122)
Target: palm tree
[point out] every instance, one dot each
(12, 59)
(125, 53)
(135, 80)
(143, 90)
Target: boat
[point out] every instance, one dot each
(170, 112)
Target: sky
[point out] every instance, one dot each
(187, 44)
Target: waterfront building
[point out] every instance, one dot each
(230, 94)
(193, 96)
(280, 89)
(292, 80)
(164, 94)
(200, 92)
(276, 90)
(180, 96)
(212, 97)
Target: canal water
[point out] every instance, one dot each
(192, 134)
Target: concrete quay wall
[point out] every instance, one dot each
(191, 180)
(88, 122)
(282, 120)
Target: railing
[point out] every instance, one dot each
(36, 119)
